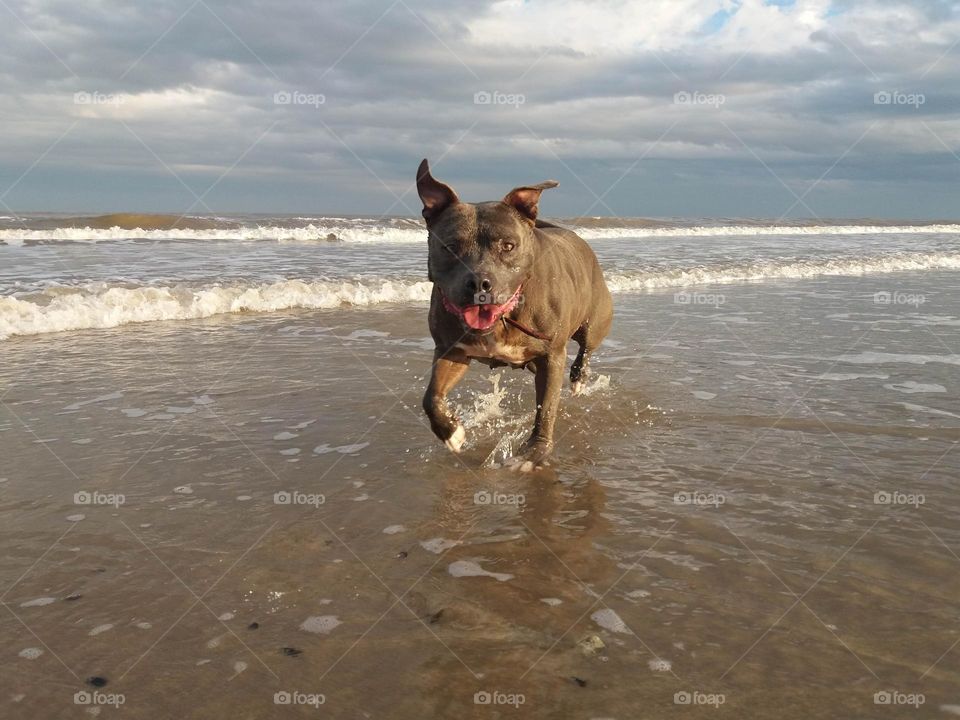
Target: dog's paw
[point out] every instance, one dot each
(532, 457)
(576, 387)
(456, 440)
(518, 463)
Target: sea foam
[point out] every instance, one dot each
(103, 305)
(410, 231)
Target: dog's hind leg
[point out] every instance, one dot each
(579, 369)
(590, 335)
(448, 370)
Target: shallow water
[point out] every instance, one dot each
(710, 530)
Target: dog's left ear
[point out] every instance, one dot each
(525, 199)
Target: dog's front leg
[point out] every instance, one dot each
(549, 381)
(448, 369)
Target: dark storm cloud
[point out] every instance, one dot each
(776, 96)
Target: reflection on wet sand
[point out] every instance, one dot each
(284, 538)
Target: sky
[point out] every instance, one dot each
(661, 108)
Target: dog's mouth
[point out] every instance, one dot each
(482, 317)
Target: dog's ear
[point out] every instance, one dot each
(525, 199)
(435, 195)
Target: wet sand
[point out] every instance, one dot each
(709, 532)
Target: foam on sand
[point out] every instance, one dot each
(320, 624)
(469, 568)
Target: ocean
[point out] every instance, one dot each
(216, 481)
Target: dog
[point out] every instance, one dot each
(508, 290)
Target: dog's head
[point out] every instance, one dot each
(480, 253)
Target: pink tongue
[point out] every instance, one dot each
(480, 317)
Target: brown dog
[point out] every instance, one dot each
(508, 290)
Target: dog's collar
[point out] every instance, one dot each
(524, 329)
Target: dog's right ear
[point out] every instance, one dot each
(435, 195)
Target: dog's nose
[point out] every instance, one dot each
(485, 285)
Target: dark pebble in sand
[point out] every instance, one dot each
(290, 651)
(69, 598)
(402, 554)
(435, 618)
(96, 681)
(579, 681)
(253, 626)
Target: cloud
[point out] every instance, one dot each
(691, 106)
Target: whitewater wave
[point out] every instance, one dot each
(101, 305)
(412, 232)
(726, 274)
(277, 233)
(612, 233)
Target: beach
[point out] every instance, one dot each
(219, 493)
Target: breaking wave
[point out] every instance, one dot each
(104, 305)
(412, 231)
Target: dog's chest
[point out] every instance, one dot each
(490, 348)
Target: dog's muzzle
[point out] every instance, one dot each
(484, 316)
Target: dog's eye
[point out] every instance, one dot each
(450, 249)
(507, 246)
